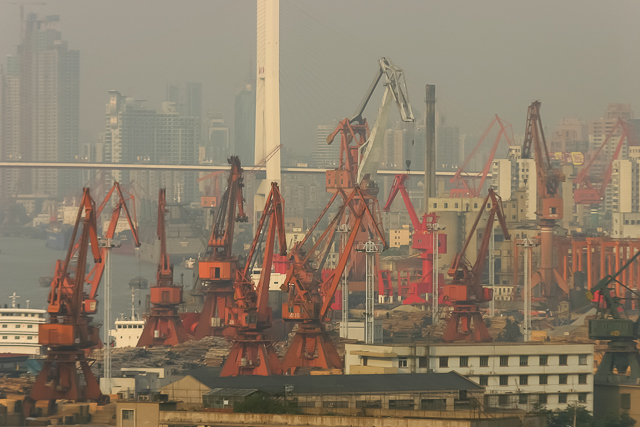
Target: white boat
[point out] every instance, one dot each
(19, 328)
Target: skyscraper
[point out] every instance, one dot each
(187, 97)
(39, 111)
(325, 155)
(244, 135)
(448, 148)
(217, 143)
(137, 134)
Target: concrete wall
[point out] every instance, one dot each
(218, 418)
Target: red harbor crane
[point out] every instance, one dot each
(163, 325)
(423, 241)
(465, 291)
(586, 192)
(69, 331)
(252, 353)
(310, 295)
(549, 200)
(217, 268)
(466, 184)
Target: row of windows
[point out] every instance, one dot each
(543, 360)
(542, 379)
(22, 314)
(17, 337)
(129, 326)
(543, 399)
(18, 326)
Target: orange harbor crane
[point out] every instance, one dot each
(310, 295)
(68, 332)
(465, 291)
(163, 326)
(423, 241)
(465, 183)
(217, 268)
(252, 353)
(586, 193)
(549, 201)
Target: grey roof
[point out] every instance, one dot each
(231, 392)
(337, 384)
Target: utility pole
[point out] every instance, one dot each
(343, 229)
(435, 227)
(492, 273)
(430, 147)
(371, 249)
(527, 244)
(108, 244)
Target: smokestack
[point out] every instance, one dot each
(430, 147)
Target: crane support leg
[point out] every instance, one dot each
(59, 380)
(163, 327)
(466, 324)
(251, 356)
(311, 347)
(212, 317)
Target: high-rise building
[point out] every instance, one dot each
(217, 142)
(569, 135)
(187, 98)
(244, 122)
(395, 147)
(447, 148)
(137, 134)
(326, 155)
(40, 96)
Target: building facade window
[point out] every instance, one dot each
(563, 360)
(524, 379)
(484, 361)
(523, 399)
(504, 360)
(503, 400)
(524, 360)
(625, 401)
(582, 359)
(582, 379)
(563, 379)
(562, 398)
(504, 380)
(444, 362)
(402, 362)
(544, 360)
(543, 379)
(484, 380)
(128, 414)
(582, 397)
(422, 362)
(542, 399)
(464, 361)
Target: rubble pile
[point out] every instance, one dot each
(14, 386)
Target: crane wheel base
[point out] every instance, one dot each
(466, 324)
(311, 347)
(251, 357)
(169, 327)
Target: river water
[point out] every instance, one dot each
(23, 261)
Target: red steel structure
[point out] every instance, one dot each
(549, 204)
(252, 353)
(422, 240)
(69, 331)
(217, 269)
(310, 295)
(465, 183)
(163, 325)
(586, 193)
(465, 291)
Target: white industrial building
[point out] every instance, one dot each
(515, 375)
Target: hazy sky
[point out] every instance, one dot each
(485, 57)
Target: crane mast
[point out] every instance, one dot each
(465, 291)
(549, 200)
(163, 326)
(217, 269)
(252, 352)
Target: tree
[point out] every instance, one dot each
(564, 417)
(511, 332)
